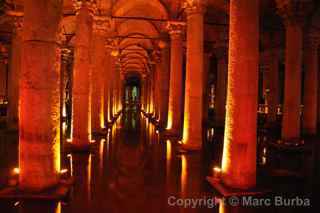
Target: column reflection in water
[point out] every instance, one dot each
(183, 175)
(58, 208)
(101, 155)
(89, 169)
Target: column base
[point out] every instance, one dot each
(58, 192)
(169, 133)
(190, 147)
(226, 191)
(72, 147)
(100, 134)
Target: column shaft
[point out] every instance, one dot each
(175, 89)
(240, 135)
(192, 125)
(14, 74)
(98, 73)
(81, 78)
(310, 112)
(39, 127)
(164, 91)
(292, 85)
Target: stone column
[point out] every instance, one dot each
(81, 132)
(240, 134)
(107, 84)
(164, 91)
(39, 124)
(98, 82)
(157, 84)
(3, 72)
(310, 112)
(176, 73)
(193, 103)
(293, 13)
(14, 75)
(221, 91)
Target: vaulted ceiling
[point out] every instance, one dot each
(140, 25)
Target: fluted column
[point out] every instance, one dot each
(221, 91)
(81, 132)
(240, 134)
(176, 73)
(310, 100)
(39, 124)
(293, 13)
(193, 102)
(14, 74)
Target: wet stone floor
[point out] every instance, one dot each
(134, 169)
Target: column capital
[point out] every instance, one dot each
(112, 44)
(102, 24)
(294, 12)
(175, 28)
(90, 4)
(16, 20)
(194, 6)
(156, 56)
(65, 55)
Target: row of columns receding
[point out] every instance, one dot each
(40, 81)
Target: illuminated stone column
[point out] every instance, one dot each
(98, 82)
(107, 84)
(270, 62)
(165, 81)
(156, 82)
(222, 74)
(311, 84)
(193, 103)
(176, 73)
(14, 74)
(81, 97)
(39, 124)
(293, 13)
(240, 134)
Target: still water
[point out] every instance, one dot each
(134, 169)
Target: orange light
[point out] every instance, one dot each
(63, 171)
(16, 171)
(102, 112)
(183, 174)
(216, 172)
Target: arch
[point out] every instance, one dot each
(150, 8)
